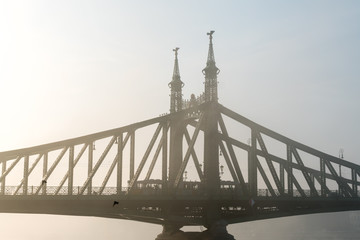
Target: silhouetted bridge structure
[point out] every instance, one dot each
(199, 165)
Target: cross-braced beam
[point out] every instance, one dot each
(182, 166)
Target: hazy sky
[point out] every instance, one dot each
(71, 68)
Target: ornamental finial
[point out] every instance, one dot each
(210, 34)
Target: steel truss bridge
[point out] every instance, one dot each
(202, 164)
(155, 188)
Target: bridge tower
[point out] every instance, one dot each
(216, 226)
(176, 86)
(211, 147)
(176, 125)
(211, 72)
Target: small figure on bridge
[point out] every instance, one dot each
(115, 203)
(43, 182)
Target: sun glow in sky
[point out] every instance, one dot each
(71, 68)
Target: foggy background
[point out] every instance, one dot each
(71, 68)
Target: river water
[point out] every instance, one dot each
(339, 226)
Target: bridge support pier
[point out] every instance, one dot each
(217, 231)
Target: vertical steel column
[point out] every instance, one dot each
(3, 166)
(164, 158)
(289, 170)
(252, 166)
(211, 158)
(322, 177)
(282, 176)
(45, 168)
(354, 181)
(90, 166)
(312, 193)
(26, 175)
(71, 171)
(339, 185)
(119, 164)
(211, 150)
(132, 155)
(176, 147)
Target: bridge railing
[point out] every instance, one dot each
(53, 190)
(145, 191)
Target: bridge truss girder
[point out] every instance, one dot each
(270, 185)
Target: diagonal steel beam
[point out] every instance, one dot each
(294, 165)
(306, 176)
(121, 143)
(10, 168)
(8, 155)
(269, 163)
(194, 156)
(265, 178)
(234, 142)
(295, 182)
(157, 152)
(30, 171)
(108, 174)
(146, 155)
(233, 156)
(318, 178)
(188, 152)
(290, 174)
(117, 161)
(347, 190)
(228, 163)
(77, 159)
(67, 173)
(229, 142)
(237, 117)
(97, 165)
(52, 168)
(153, 161)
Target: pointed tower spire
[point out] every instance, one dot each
(176, 87)
(211, 72)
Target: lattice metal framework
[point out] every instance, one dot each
(260, 180)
